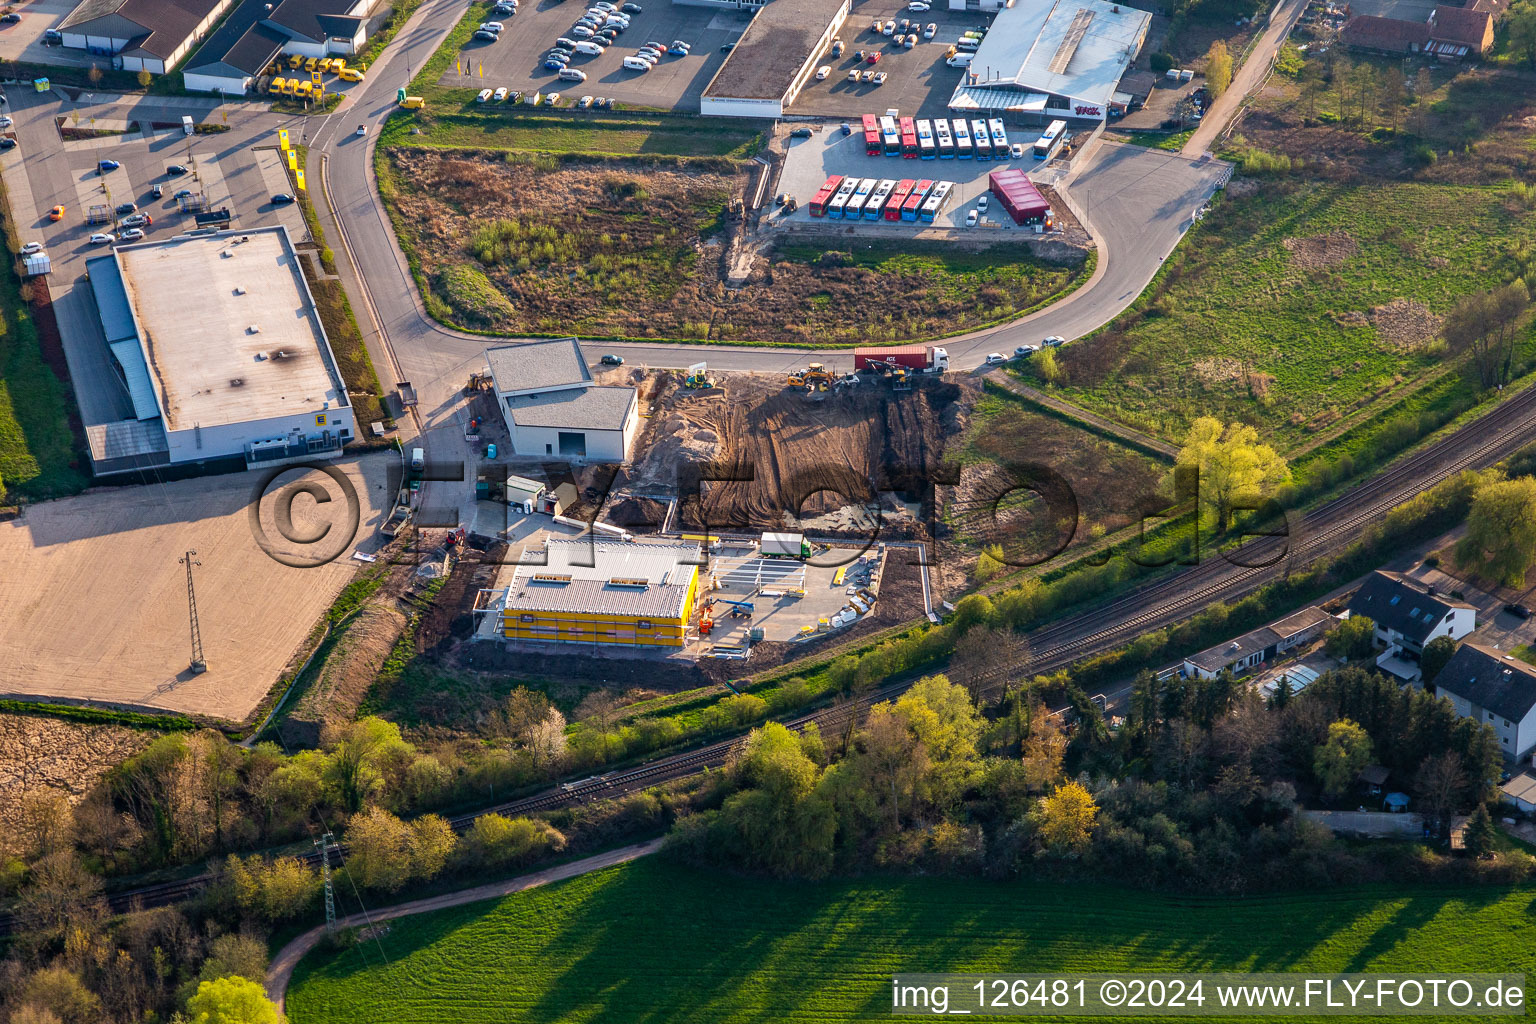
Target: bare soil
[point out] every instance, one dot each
(782, 458)
(1321, 251)
(40, 754)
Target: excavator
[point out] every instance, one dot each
(899, 376)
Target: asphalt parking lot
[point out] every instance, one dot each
(809, 162)
(516, 60)
(23, 40)
(919, 81)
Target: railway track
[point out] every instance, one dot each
(1176, 596)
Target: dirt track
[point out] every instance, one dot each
(783, 457)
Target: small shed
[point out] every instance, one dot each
(1396, 802)
(1373, 777)
(1019, 196)
(523, 494)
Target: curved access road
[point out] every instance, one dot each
(1138, 203)
(280, 973)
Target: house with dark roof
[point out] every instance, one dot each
(1384, 35)
(259, 31)
(555, 409)
(1254, 648)
(1408, 615)
(140, 35)
(1466, 28)
(1496, 688)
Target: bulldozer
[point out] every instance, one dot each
(812, 375)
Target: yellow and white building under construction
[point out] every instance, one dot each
(596, 591)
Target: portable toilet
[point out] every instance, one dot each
(40, 84)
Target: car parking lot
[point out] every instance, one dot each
(809, 162)
(23, 40)
(918, 81)
(516, 60)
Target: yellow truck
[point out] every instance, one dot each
(278, 86)
(304, 88)
(350, 75)
(296, 61)
(413, 103)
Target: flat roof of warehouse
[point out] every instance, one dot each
(596, 408)
(1074, 48)
(227, 328)
(605, 578)
(773, 49)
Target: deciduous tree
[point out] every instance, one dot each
(1352, 639)
(1233, 466)
(232, 1000)
(1501, 530)
(1338, 761)
(1218, 69)
(1436, 654)
(1065, 820)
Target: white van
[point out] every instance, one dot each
(588, 47)
(572, 75)
(961, 60)
(968, 45)
(636, 64)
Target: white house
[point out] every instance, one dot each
(1496, 688)
(1408, 615)
(552, 407)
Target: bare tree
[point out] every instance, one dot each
(1440, 785)
(986, 657)
(1489, 325)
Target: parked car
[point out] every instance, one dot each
(485, 94)
(847, 128)
(555, 63)
(800, 133)
(971, 216)
(492, 26)
(126, 208)
(612, 360)
(582, 32)
(930, 30)
(1024, 351)
(103, 166)
(822, 72)
(993, 358)
(484, 36)
(837, 47)
(682, 44)
(728, 47)
(281, 199)
(5, 121)
(564, 43)
(182, 194)
(880, 77)
(9, 18)
(981, 203)
(607, 33)
(175, 171)
(1519, 611)
(584, 102)
(919, 5)
(910, 41)
(101, 239)
(572, 75)
(853, 75)
(867, 77)
(631, 8)
(552, 98)
(888, 29)
(1054, 341)
(31, 247)
(874, 57)
(682, 51)
(131, 235)
(138, 220)
(6, 142)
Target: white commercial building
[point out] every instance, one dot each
(774, 58)
(221, 349)
(1042, 61)
(140, 35)
(553, 409)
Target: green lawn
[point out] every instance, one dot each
(657, 942)
(1272, 311)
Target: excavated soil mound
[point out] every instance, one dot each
(1405, 324)
(1322, 251)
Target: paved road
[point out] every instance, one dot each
(280, 973)
(1246, 78)
(1138, 203)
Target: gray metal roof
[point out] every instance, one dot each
(1073, 48)
(141, 389)
(537, 366)
(127, 439)
(598, 408)
(605, 578)
(111, 298)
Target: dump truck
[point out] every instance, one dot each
(918, 358)
(398, 519)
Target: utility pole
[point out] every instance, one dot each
(199, 666)
(325, 842)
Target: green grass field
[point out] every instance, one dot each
(36, 443)
(1277, 310)
(654, 941)
(623, 134)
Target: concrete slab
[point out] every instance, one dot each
(94, 589)
(272, 166)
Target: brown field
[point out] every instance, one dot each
(46, 755)
(95, 602)
(622, 248)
